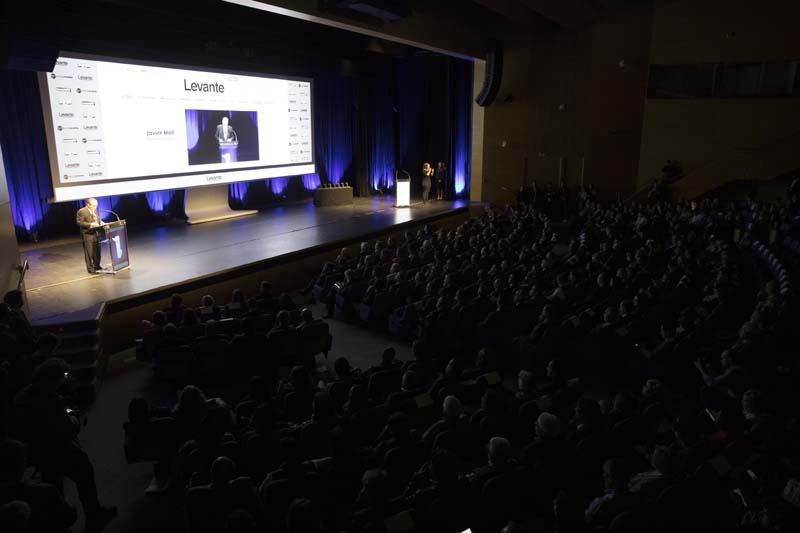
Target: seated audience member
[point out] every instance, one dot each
(450, 383)
(258, 397)
(453, 420)
(526, 388)
(492, 419)
(15, 517)
(388, 362)
(616, 500)
(223, 471)
(190, 411)
(156, 324)
(308, 322)
(314, 432)
(296, 393)
(281, 326)
(651, 483)
(208, 309)
(18, 321)
(346, 374)
(423, 362)
(499, 461)
(282, 340)
(733, 379)
(250, 345)
(265, 299)
(238, 305)
(49, 511)
(291, 467)
(285, 302)
(49, 432)
(438, 504)
(190, 326)
(241, 521)
(373, 504)
(303, 517)
(174, 312)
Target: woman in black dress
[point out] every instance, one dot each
(427, 173)
(441, 177)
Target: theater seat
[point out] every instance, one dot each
(174, 363)
(315, 339)
(208, 508)
(276, 496)
(499, 498)
(152, 441)
(383, 383)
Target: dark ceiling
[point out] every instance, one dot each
(204, 32)
(208, 31)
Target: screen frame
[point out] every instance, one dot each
(49, 129)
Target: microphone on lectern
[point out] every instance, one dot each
(110, 211)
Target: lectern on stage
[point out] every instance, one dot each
(402, 182)
(113, 240)
(228, 152)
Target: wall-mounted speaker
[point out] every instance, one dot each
(494, 75)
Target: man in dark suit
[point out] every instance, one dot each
(89, 222)
(225, 133)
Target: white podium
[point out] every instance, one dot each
(402, 189)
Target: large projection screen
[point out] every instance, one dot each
(118, 127)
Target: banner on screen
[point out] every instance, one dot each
(116, 127)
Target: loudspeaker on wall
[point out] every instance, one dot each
(494, 75)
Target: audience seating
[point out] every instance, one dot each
(636, 365)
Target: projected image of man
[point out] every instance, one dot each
(225, 133)
(221, 136)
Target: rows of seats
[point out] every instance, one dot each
(620, 368)
(236, 339)
(652, 305)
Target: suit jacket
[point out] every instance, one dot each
(85, 218)
(231, 134)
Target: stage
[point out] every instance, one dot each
(179, 258)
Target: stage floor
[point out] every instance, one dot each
(58, 284)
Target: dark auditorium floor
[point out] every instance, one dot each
(123, 485)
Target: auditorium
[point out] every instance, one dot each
(399, 266)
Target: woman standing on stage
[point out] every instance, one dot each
(427, 173)
(441, 177)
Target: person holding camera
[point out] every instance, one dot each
(49, 432)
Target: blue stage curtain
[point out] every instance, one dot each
(333, 128)
(435, 119)
(311, 182)
(163, 202)
(460, 155)
(376, 127)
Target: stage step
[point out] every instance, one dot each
(80, 353)
(72, 322)
(81, 348)
(78, 339)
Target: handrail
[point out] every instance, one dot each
(24, 267)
